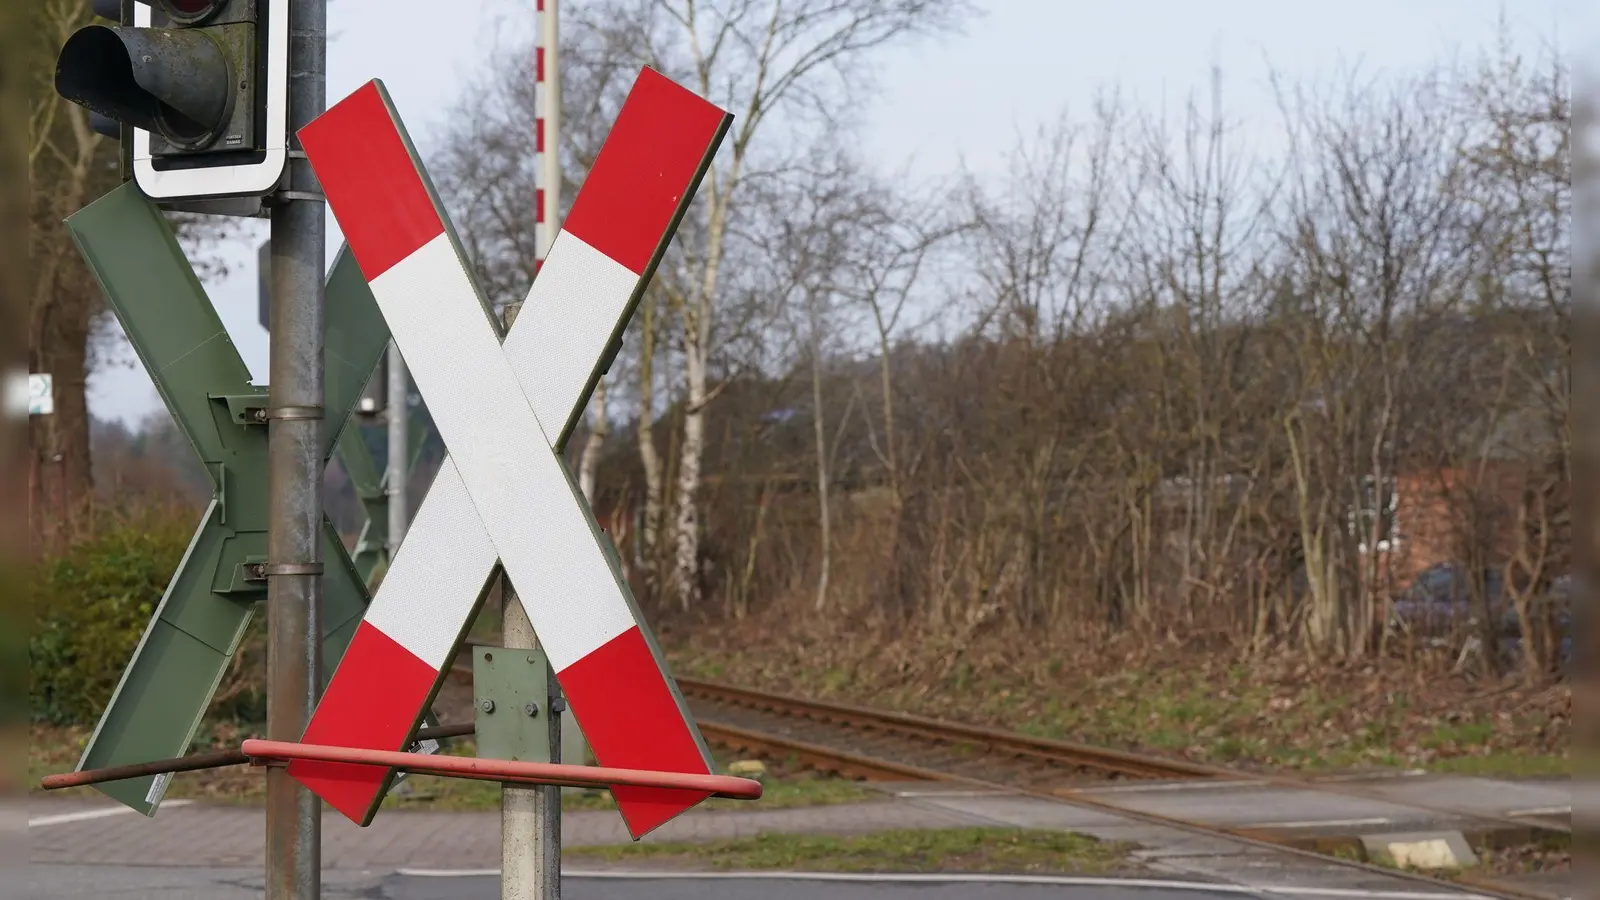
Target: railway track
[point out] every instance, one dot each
(879, 745)
(872, 744)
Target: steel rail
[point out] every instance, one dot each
(748, 738)
(816, 756)
(1068, 752)
(1049, 750)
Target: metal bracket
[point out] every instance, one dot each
(272, 569)
(511, 703)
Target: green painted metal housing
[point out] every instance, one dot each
(370, 485)
(164, 692)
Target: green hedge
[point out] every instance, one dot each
(93, 603)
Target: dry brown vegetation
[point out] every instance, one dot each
(1177, 697)
(1150, 414)
(1193, 403)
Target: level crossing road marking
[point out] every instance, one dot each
(1173, 786)
(503, 493)
(88, 815)
(970, 878)
(1322, 823)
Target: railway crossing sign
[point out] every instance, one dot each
(504, 413)
(197, 626)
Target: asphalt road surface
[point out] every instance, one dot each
(57, 882)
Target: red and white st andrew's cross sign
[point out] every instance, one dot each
(503, 493)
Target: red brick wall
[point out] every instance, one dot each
(1438, 512)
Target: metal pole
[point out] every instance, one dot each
(530, 817)
(294, 460)
(399, 449)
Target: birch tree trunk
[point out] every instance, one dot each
(68, 164)
(819, 427)
(753, 64)
(649, 459)
(592, 447)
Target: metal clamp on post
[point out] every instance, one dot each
(272, 569)
(287, 412)
(287, 193)
(263, 571)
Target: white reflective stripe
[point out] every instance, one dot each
(561, 332)
(439, 571)
(538, 524)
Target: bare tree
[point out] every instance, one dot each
(757, 60)
(1521, 161)
(899, 243)
(818, 214)
(1145, 382)
(1044, 246)
(69, 164)
(1201, 213)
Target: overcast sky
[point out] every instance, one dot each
(961, 98)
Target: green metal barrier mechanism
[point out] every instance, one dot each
(165, 690)
(372, 545)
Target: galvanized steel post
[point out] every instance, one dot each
(399, 470)
(295, 463)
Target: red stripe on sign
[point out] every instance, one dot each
(538, 135)
(632, 721)
(538, 206)
(371, 180)
(538, 63)
(373, 706)
(644, 170)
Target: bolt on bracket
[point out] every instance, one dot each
(507, 680)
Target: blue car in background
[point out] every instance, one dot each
(1438, 605)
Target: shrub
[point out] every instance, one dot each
(93, 602)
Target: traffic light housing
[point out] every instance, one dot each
(196, 90)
